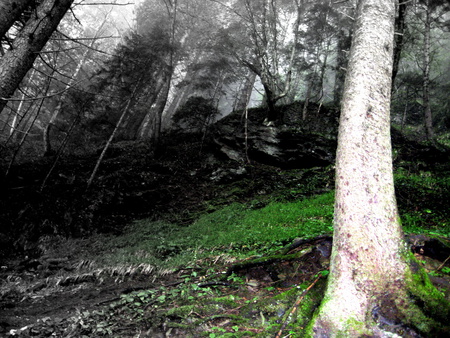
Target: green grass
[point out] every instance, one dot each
(278, 221)
(423, 202)
(235, 229)
(240, 230)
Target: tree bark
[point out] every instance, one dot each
(368, 269)
(16, 62)
(11, 11)
(157, 111)
(245, 92)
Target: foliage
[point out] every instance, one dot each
(135, 73)
(422, 199)
(196, 114)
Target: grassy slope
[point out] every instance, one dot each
(232, 233)
(245, 229)
(223, 235)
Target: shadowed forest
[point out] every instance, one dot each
(168, 166)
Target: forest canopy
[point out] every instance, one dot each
(153, 57)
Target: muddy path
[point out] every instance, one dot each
(37, 300)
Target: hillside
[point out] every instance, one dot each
(154, 228)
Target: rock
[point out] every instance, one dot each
(223, 175)
(280, 147)
(296, 144)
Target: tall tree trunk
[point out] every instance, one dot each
(161, 102)
(168, 74)
(264, 32)
(32, 122)
(400, 27)
(16, 118)
(16, 62)
(370, 280)
(113, 134)
(343, 46)
(10, 12)
(428, 117)
(245, 92)
(272, 115)
(307, 97)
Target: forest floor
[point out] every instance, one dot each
(188, 246)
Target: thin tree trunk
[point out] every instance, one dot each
(16, 62)
(59, 152)
(164, 95)
(26, 133)
(141, 126)
(264, 34)
(405, 111)
(400, 26)
(428, 117)
(343, 46)
(47, 140)
(15, 122)
(111, 138)
(306, 103)
(323, 69)
(161, 102)
(245, 92)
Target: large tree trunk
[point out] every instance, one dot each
(370, 280)
(16, 62)
(10, 12)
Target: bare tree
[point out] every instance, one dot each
(264, 30)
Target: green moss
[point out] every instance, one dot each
(427, 309)
(185, 311)
(228, 301)
(433, 301)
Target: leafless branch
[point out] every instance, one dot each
(39, 97)
(105, 3)
(84, 45)
(81, 39)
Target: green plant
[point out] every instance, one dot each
(446, 270)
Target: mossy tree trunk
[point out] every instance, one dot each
(370, 282)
